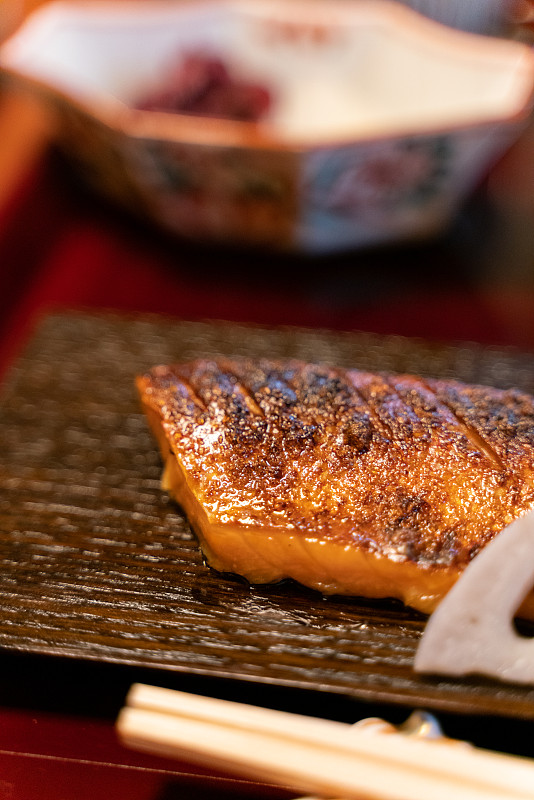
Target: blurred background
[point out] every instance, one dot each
(61, 245)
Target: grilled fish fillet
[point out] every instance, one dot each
(353, 483)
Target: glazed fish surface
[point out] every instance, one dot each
(354, 483)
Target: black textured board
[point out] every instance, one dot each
(96, 563)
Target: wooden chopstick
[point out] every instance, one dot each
(317, 756)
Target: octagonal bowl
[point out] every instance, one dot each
(375, 122)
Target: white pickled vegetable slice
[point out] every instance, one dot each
(472, 631)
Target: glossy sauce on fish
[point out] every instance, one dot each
(350, 482)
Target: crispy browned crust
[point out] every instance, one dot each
(402, 471)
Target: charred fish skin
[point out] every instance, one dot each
(351, 482)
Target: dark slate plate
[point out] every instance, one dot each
(97, 564)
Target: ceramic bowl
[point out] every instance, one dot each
(379, 121)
